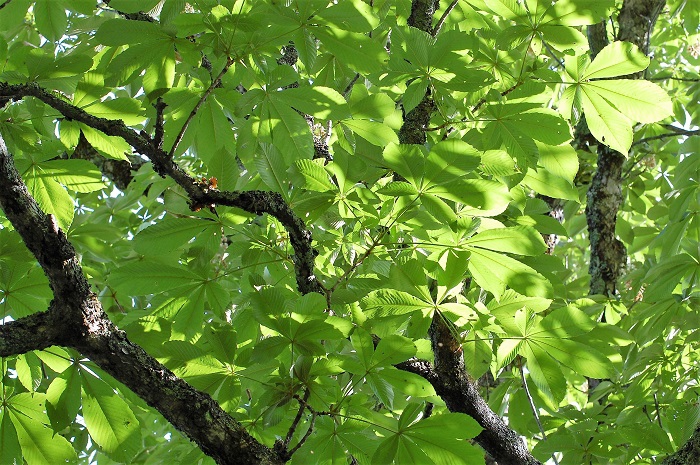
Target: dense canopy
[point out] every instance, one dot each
(349, 231)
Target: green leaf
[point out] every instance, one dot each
(108, 146)
(51, 19)
(133, 6)
(578, 12)
(358, 51)
(386, 302)
(63, 398)
(641, 101)
(272, 169)
(393, 349)
(126, 109)
(318, 101)
(316, 178)
(76, 175)
(581, 358)
(373, 106)
(10, 448)
(449, 161)
(550, 184)
(287, 130)
(150, 277)
(493, 271)
(561, 161)
(109, 420)
(40, 446)
(350, 15)
(606, 123)
(170, 234)
(545, 373)
(616, 59)
(122, 32)
(373, 132)
(398, 188)
(517, 240)
(52, 198)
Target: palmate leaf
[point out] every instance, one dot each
(439, 439)
(612, 106)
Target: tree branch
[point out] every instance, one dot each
(444, 16)
(75, 319)
(461, 394)
(257, 202)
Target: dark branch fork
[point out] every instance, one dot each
(257, 202)
(75, 319)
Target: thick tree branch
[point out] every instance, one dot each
(75, 319)
(461, 394)
(34, 332)
(257, 202)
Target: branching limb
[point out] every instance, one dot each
(461, 394)
(76, 319)
(34, 332)
(257, 202)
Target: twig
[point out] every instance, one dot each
(159, 130)
(444, 16)
(214, 84)
(297, 418)
(658, 412)
(4, 4)
(676, 132)
(347, 90)
(664, 78)
(503, 94)
(534, 409)
(306, 435)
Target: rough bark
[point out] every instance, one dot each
(688, 454)
(75, 319)
(461, 394)
(608, 255)
(415, 121)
